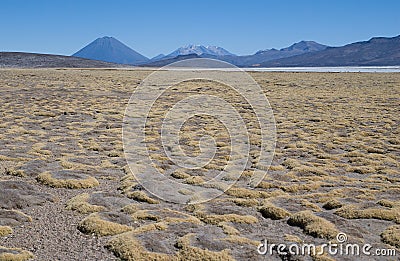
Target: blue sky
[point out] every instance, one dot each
(153, 27)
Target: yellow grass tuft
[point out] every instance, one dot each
(246, 193)
(127, 247)
(142, 197)
(46, 179)
(216, 219)
(180, 174)
(130, 209)
(80, 203)
(5, 231)
(332, 204)
(14, 254)
(188, 252)
(313, 225)
(229, 230)
(273, 212)
(94, 224)
(391, 236)
(238, 240)
(353, 212)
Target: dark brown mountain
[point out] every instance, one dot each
(35, 60)
(379, 51)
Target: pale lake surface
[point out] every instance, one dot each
(367, 69)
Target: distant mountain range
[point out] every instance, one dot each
(219, 53)
(273, 54)
(379, 51)
(108, 52)
(109, 49)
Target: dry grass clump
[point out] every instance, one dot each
(127, 247)
(391, 236)
(251, 202)
(94, 224)
(313, 225)
(15, 214)
(229, 230)
(180, 174)
(150, 227)
(291, 163)
(80, 203)
(273, 212)
(276, 168)
(361, 169)
(130, 209)
(238, 240)
(310, 205)
(188, 252)
(323, 257)
(37, 149)
(194, 180)
(292, 238)
(354, 212)
(5, 231)
(332, 204)
(47, 179)
(235, 218)
(72, 165)
(246, 193)
(267, 185)
(14, 172)
(301, 187)
(142, 197)
(388, 203)
(127, 181)
(144, 215)
(14, 254)
(114, 153)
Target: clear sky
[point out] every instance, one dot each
(153, 27)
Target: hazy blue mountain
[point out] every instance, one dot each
(109, 49)
(378, 51)
(157, 57)
(166, 60)
(199, 50)
(273, 54)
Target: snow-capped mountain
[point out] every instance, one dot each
(199, 50)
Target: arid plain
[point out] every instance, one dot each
(66, 192)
